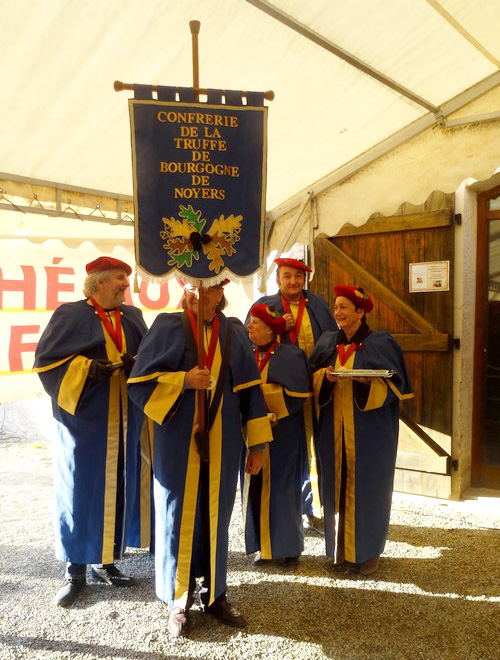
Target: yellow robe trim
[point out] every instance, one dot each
(258, 431)
(298, 395)
(344, 422)
(187, 522)
(306, 343)
(215, 447)
(73, 383)
(141, 379)
(377, 394)
(275, 401)
(273, 395)
(318, 377)
(265, 533)
(400, 396)
(117, 414)
(164, 396)
(246, 489)
(146, 446)
(244, 386)
(39, 370)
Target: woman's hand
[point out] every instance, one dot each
(329, 375)
(254, 462)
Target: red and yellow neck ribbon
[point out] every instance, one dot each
(114, 332)
(345, 355)
(261, 362)
(294, 332)
(207, 359)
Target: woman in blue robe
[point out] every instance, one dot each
(272, 499)
(357, 431)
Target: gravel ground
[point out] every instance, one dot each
(436, 594)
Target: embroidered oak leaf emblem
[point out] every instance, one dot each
(184, 238)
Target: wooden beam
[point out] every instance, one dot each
(379, 290)
(428, 342)
(403, 222)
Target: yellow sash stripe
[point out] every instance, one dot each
(306, 336)
(265, 532)
(73, 383)
(344, 408)
(164, 396)
(187, 521)
(215, 466)
(145, 482)
(117, 388)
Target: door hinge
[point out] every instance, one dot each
(458, 219)
(456, 342)
(454, 464)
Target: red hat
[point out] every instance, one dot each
(356, 295)
(293, 263)
(271, 317)
(107, 263)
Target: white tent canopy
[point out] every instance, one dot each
(63, 122)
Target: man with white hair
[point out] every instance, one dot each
(196, 471)
(83, 360)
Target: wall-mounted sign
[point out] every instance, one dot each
(430, 276)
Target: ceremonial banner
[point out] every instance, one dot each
(199, 185)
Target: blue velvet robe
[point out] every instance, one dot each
(362, 421)
(272, 499)
(91, 417)
(157, 385)
(319, 319)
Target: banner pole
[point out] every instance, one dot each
(194, 26)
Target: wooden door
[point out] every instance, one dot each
(486, 395)
(377, 256)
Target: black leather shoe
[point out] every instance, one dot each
(109, 574)
(226, 613)
(178, 622)
(291, 562)
(69, 592)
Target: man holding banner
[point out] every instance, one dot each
(83, 359)
(195, 474)
(307, 316)
(199, 191)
